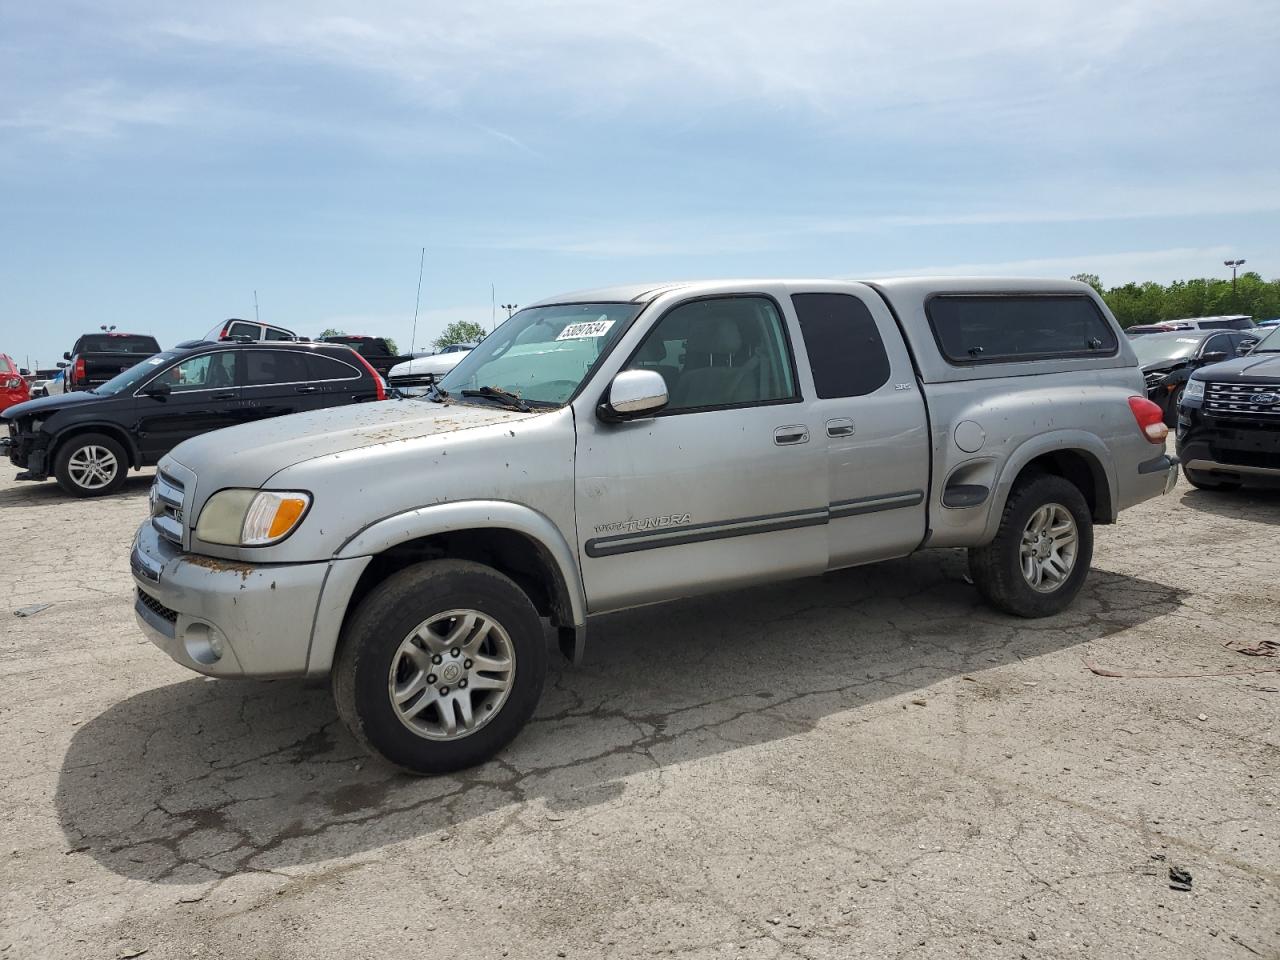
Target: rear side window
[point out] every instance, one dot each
(843, 343)
(321, 367)
(995, 328)
(275, 333)
(274, 366)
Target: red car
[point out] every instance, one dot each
(13, 385)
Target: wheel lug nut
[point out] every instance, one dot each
(443, 691)
(437, 658)
(462, 684)
(431, 678)
(467, 664)
(454, 652)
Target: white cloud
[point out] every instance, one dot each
(1162, 266)
(103, 109)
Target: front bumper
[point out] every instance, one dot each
(28, 451)
(223, 618)
(1235, 448)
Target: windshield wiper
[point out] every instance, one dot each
(438, 393)
(506, 397)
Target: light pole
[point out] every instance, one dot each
(1233, 264)
(510, 307)
(105, 329)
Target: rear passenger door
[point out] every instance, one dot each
(869, 407)
(277, 382)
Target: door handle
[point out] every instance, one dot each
(796, 433)
(842, 427)
(224, 396)
(305, 389)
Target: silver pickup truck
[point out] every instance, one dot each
(618, 447)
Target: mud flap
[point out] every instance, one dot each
(573, 643)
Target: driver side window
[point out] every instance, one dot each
(719, 353)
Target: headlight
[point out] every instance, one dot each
(1194, 391)
(251, 518)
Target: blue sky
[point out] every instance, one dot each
(160, 163)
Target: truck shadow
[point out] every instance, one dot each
(201, 780)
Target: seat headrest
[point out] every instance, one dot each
(715, 336)
(653, 351)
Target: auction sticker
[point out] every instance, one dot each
(579, 331)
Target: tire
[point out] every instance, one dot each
(379, 658)
(1202, 481)
(1171, 407)
(997, 568)
(91, 465)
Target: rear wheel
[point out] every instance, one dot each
(441, 666)
(90, 465)
(1208, 481)
(1041, 553)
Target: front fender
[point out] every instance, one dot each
(1078, 440)
(474, 515)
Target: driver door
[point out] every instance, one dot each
(724, 487)
(204, 396)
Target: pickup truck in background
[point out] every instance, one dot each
(375, 350)
(618, 447)
(99, 357)
(414, 377)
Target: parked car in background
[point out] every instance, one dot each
(1237, 321)
(14, 387)
(40, 381)
(413, 377)
(1228, 429)
(374, 349)
(1270, 322)
(1168, 359)
(98, 357)
(87, 440)
(237, 329)
(638, 444)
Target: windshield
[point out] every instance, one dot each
(126, 381)
(1155, 347)
(543, 354)
(1269, 343)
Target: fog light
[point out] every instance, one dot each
(203, 644)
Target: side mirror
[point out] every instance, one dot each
(633, 394)
(61, 364)
(1246, 348)
(158, 388)
(66, 355)
(1213, 356)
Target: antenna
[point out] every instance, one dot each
(493, 308)
(255, 305)
(413, 340)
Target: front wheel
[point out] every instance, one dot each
(441, 666)
(1041, 553)
(90, 465)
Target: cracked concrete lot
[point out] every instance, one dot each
(866, 764)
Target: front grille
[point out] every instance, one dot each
(1257, 402)
(167, 499)
(156, 607)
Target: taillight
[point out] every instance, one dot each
(78, 375)
(377, 380)
(1150, 419)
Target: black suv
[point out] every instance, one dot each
(89, 439)
(1229, 420)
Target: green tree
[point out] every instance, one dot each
(1090, 278)
(1152, 302)
(391, 346)
(460, 331)
(332, 332)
